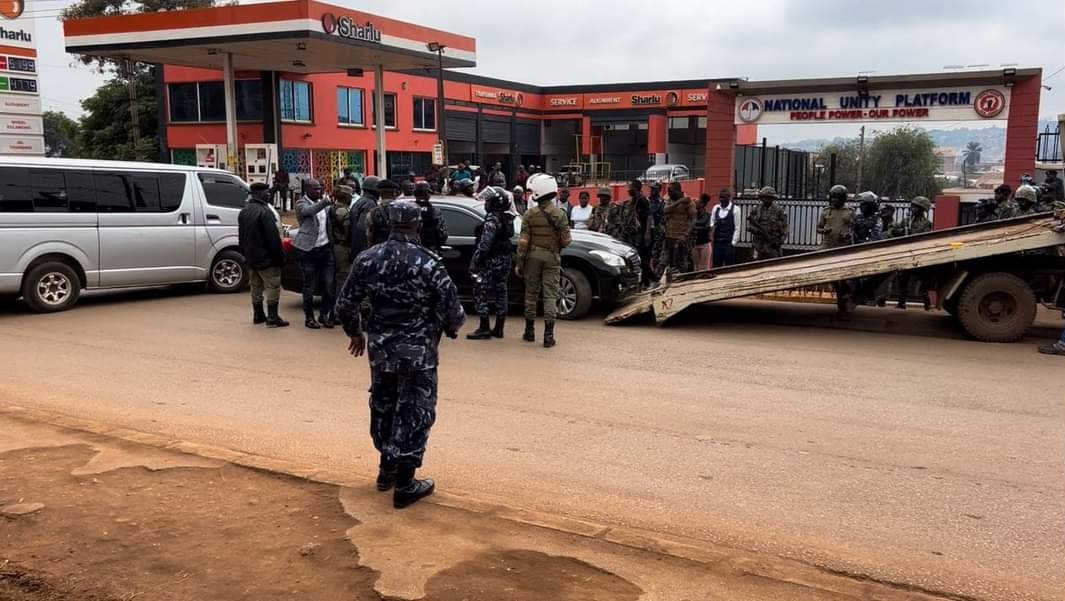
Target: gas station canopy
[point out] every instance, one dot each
(300, 36)
(297, 36)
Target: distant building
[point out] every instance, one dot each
(948, 160)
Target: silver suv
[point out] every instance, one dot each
(71, 225)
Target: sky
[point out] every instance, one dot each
(599, 41)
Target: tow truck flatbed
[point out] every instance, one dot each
(938, 248)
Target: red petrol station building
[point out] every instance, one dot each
(305, 77)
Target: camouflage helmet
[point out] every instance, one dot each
(767, 192)
(839, 190)
(605, 191)
(404, 211)
(1028, 193)
(423, 189)
(868, 198)
(921, 201)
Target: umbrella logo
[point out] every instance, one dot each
(12, 9)
(750, 110)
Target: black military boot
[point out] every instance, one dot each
(497, 332)
(273, 320)
(326, 320)
(530, 331)
(259, 315)
(408, 489)
(386, 475)
(483, 331)
(549, 334)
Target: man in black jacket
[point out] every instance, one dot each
(259, 231)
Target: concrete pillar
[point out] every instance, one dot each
(229, 87)
(1022, 129)
(657, 137)
(720, 140)
(381, 167)
(947, 213)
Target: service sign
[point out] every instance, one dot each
(21, 125)
(33, 145)
(945, 104)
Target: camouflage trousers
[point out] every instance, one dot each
(543, 270)
(766, 251)
(490, 293)
(265, 283)
(402, 410)
(674, 256)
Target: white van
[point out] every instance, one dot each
(68, 225)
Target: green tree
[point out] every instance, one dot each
(971, 154)
(846, 152)
(106, 127)
(902, 163)
(60, 135)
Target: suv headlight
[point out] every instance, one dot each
(609, 258)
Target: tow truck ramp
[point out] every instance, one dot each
(953, 245)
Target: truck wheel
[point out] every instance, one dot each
(50, 287)
(228, 273)
(574, 295)
(996, 307)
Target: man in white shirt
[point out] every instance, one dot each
(580, 214)
(727, 221)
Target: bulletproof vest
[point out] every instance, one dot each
(542, 232)
(502, 244)
(429, 236)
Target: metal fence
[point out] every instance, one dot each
(786, 170)
(803, 214)
(1048, 145)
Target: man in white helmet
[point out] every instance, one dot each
(544, 233)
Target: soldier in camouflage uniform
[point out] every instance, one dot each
(1027, 200)
(544, 233)
(434, 229)
(768, 225)
(413, 303)
(866, 226)
(377, 224)
(837, 221)
(598, 221)
(678, 214)
(622, 223)
(656, 211)
(1004, 207)
(918, 224)
(490, 266)
(986, 210)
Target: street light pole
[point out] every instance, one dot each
(441, 117)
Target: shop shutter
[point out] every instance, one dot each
(461, 128)
(496, 131)
(528, 137)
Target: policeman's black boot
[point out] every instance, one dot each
(530, 331)
(259, 314)
(386, 475)
(497, 332)
(408, 489)
(549, 334)
(326, 320)
(483, 331)
(273, 320)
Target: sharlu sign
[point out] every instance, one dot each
(346, 28)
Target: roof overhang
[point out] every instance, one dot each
(996, 77)
(301, 36)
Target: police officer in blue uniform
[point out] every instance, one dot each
(491, 263)
(413, 302)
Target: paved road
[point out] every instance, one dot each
(927, 460)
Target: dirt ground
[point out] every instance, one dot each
(228, 533)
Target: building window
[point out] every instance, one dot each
(295, 101)
(390, 110)
(349, 106)
(205, 101)
(424, 113)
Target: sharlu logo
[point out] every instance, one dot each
(12, 9)
(15, 35)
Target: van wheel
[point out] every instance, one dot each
(51, 287)
(228, 273)
(997, 307)
(574, 295)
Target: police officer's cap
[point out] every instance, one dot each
(259, 187)
(767, 192)
(404, 211)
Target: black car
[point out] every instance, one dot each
(595, 267)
